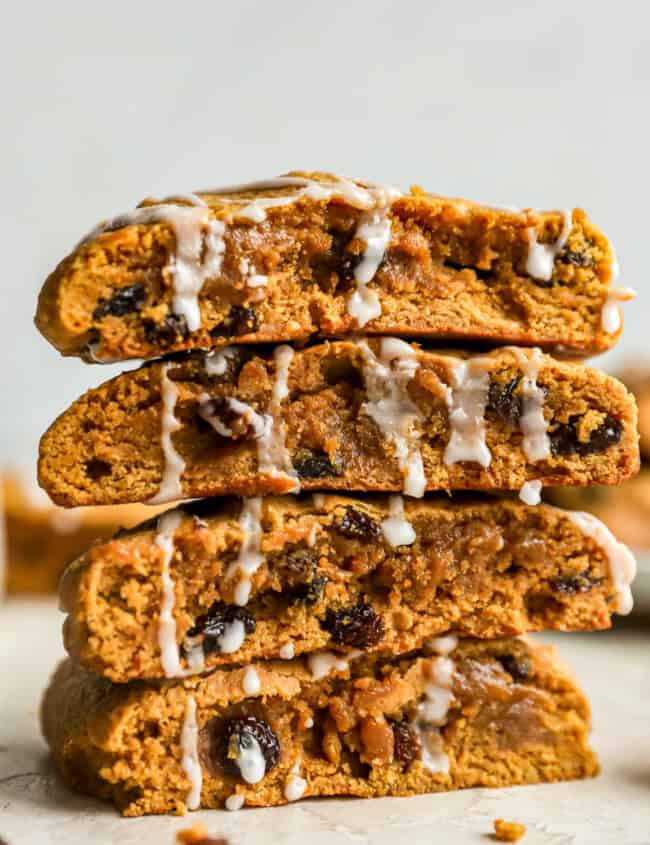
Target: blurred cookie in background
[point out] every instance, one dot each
(41, 538)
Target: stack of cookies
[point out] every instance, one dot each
(347, 617)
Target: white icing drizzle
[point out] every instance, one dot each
(610, 318)
(235, 802)
(233, 636)
(250, 761)
(622, 563)
(397, 530)
(466, 403)
(432, 714)
(309, 722)
(374, 228)
(541, 257)
(531, 492)
(200, 247)
(190, 761)
(366, 197)
(295, 786)
(250, 557)
(252, 278)
(390, 406)
(170, 485)
(194, 654)
(169, 656)
(536, 443)
(199, 256)
(252, 684)
(322, 663)
(442, 645)
(216, 363)
(269, 431)
(287, 651)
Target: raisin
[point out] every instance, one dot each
(357, 525)
(301, 561)
(565, 441)
(571, 584)
(358, 626)
(173, 329)
(314, 465)
(310, 592)
(123, 301)
(579, 259)
(408, 747)
(96, 469)
(519, 668)
(220, 414)
(240, 320)
(336, 265)
(213, 623)
(505, 404)
(239, 734)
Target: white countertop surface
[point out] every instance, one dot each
(614, 668)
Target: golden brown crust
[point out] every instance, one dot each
(106, 448)
(514, 717)
(454, 270)
(485, 568)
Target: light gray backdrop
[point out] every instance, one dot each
(527, 103)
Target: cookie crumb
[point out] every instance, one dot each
(198, 835)
(508, 831)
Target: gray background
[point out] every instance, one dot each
(528, 103)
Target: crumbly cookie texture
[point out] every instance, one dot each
(316, 255)
(41, 539)
(492, 714)
(368, 415)
(329, 577)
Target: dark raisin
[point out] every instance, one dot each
(519, 668)
(484, 275)
(357, 525)
(173, 329)
(336, 265)
(300, 561)
(239, 734)
(310, 592)
(314, 465)
(571, 584)
(212, 625)
(123, 301)
(565, 441)
(357, 626)
(505, 403)
(580, 259)
(240, 320)
(408, 747)
(96, 469)
(227, 422)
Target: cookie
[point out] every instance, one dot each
(488, 713)
(311, 255)
(350, 415)
(625, 509)
(41, 539)
(218, 583)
